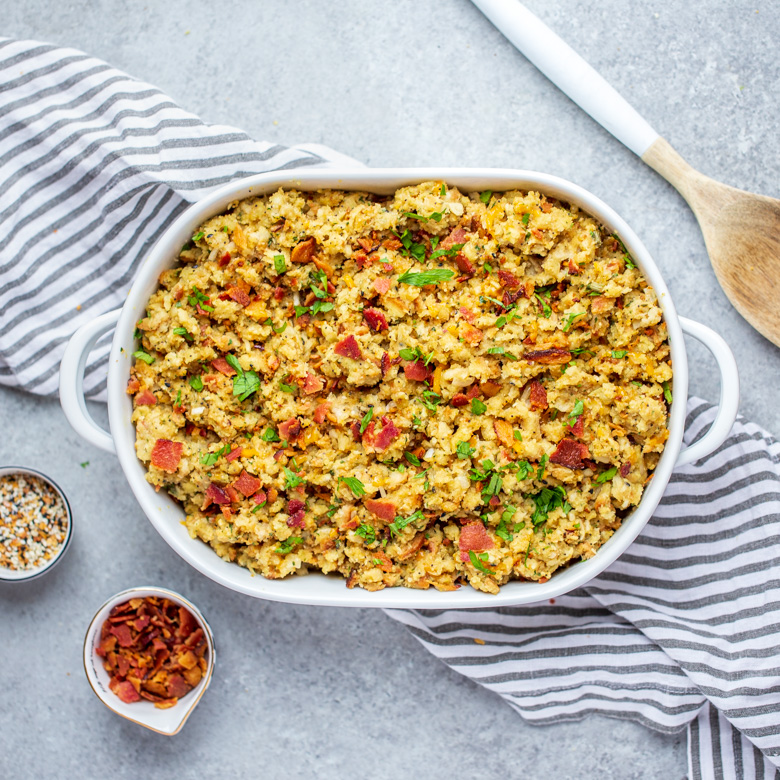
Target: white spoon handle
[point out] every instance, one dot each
(569, 72)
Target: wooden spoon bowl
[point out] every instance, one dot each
(742, 234)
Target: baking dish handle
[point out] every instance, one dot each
(729, 392)
(74, 362)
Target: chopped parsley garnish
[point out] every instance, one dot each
(197, 298)
(269, 434)
(606, 475)
(667, 393)
(542, 464)
(523, 469)
(465, 450)
(570, 320)
(210, 458)
(526, 219)
(279, 265)
(141, 355)
(177, 402)
(508, 316)
(436, 216)
(287, 545)
(627, 259)
(478, 561)
(546, 310)
(502, 530)
(245, 382)
(417, 251)
(196, 383)
(355, 485)
(198, 235)
(412, 458)
(430, 400)
(619, 353)
(477, 406)
(518, 435)
(434, 276)
(401, 522)
(574, 414)
(486, 196)
(368, 532)
(285, 388)
(451, 252)
(443, 190)
(415, 354)
(546, 500)
(259, 506)
(501, 351)
(366, 419)
(183, 332)
(291, 479)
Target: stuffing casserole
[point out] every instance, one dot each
(429, 388)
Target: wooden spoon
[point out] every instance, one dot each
(741, 229)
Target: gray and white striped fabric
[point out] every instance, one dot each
(94, 165)
(679, 632)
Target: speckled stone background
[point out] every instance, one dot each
(302, 692)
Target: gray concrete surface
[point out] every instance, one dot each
(302, 692)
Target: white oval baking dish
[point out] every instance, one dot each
(166, 515)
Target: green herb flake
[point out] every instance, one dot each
(478, 561)
(141, 355)
(667, 393)
(465, 450)
(279, 264)
(368, 532)
(486, 196)
(291, 479)
(434, 276)
(210, 458)
(619, 353)
(518, 435)
(526, 219)
(546, 310)
(606, 475)
(288, 544)
(574, 414)
(503, 352)
(546, 500)
(285, 388)
(196, 383)
(443, 190)
(542, 464)
(355, 485)
(401, 522)
(259, 506)
(477, 406)
(366, 419)
(198, 235)
(570, 320)
(84, 464)
(412, 458)
(269, 435)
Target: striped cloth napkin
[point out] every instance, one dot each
(677, 633)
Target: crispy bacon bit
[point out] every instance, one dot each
(278, 225)
(260, 497)
(376, 319)
(504, 432)
(216, 495)
(146, 398)
(362, 261)
(221, 365)
(474, 391)
(384, 510)
(232, 494)
(384, 364)
(511, 296)
(506, 279)
(467, 314)
(574, 267)
(234, 453)
(246, 484)
(278, 293)
(625, 469)
(239, 295)
(548, 357)
(537, 234)
(290, 429)
(312, 384)
(458, 400)
(295, 508)
(224, 260)
(367, 244)
(294, 505)
(570, 453)
(303, 252)
(474, 536)
(320, 412)
(133, 385)
(324, 265)
(457, 236)
(538, 396)
(354, 429)
(349, 348)
(382, 285)
(166, 454)
(392, 243)
(384, 437)
(385, 564)
(418, 371)
(471, 334)
(465, 266)
(156, 653)
(578, 429)
(546, 206)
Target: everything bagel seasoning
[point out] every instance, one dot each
(33, 522)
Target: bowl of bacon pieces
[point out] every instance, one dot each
(149, 657)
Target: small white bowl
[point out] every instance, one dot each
(25, 575)
(144, 713)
